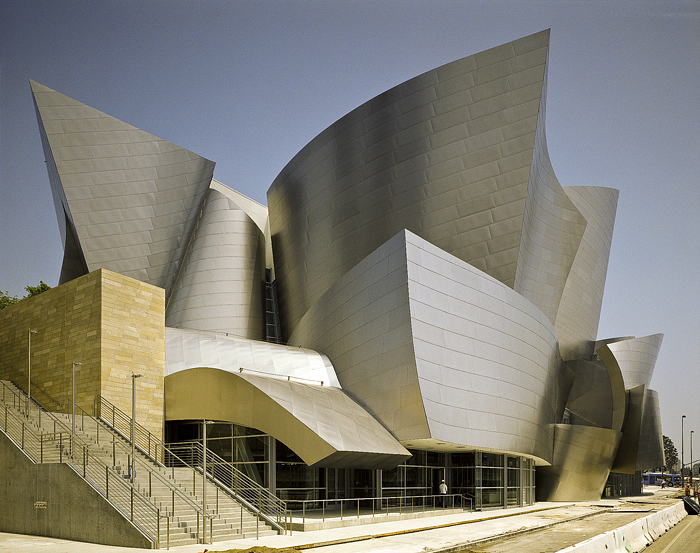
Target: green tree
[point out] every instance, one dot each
(6, 299)
(670, 453)
(36, 290)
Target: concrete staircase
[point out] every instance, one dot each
(176, 492)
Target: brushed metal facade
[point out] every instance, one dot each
(637, 358)
(439, 352)
(578, 314)
(186, 349)
(446, 155)
(651, 444)
(597, 397)
(127, 199)
(581, 463)
(432, 274)
(322, 424)
(551, 233)
(220, 284)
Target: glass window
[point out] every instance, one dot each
(491, 497)
(491, 477)
(491, 460)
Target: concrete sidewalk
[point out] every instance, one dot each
(438, 533)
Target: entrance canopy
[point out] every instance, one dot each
(321, 424)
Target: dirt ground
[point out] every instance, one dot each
(259, 549)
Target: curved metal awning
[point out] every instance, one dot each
(321, 424)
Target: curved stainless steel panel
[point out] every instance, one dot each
(626, 458)
(446, 155)
(582, 459)
(220, 285)
(637, 358)
(322, 424)
(187, 349)
(551, 233)
(590, 401)
(132, 198)
(579, 309)
(438, 350)
(651, 440)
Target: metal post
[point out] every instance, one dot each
(204, 480)
(682, 460)
(74, 364)
(691, 456)
(132, 468)
(29, 372)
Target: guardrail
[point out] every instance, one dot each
(256, 498)
(84, 421)
(234, 482)
(63, 447)
(382, 506)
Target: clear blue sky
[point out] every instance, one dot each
(248, 84)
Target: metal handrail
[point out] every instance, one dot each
(34, 387)
(175, 491)
(400, 502)
(126, 450)
(271, 509)
(234, 482)
(63, 447)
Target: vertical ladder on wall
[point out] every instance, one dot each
(273, 331)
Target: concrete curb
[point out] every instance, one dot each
(447, 525)
(632, 537)
(513, 533)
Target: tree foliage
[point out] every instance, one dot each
(6, 299)
(670, 453)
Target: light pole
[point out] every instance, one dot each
(691, 456)
(74, 364)
(133, 425)
(682, 460)
(204, 481)
(29, 374)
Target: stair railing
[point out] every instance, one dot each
(233, 482)
(76, 452)
(123, 449)
(35, 388)
(258, 499)
(63, 447)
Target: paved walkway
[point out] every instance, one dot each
(439, 533)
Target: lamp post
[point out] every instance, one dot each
(29, 374)
(133, 425)
(682, 460)
(204, 481)
(74, 364)
(691, 456)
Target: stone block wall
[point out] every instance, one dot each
(111, 324)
